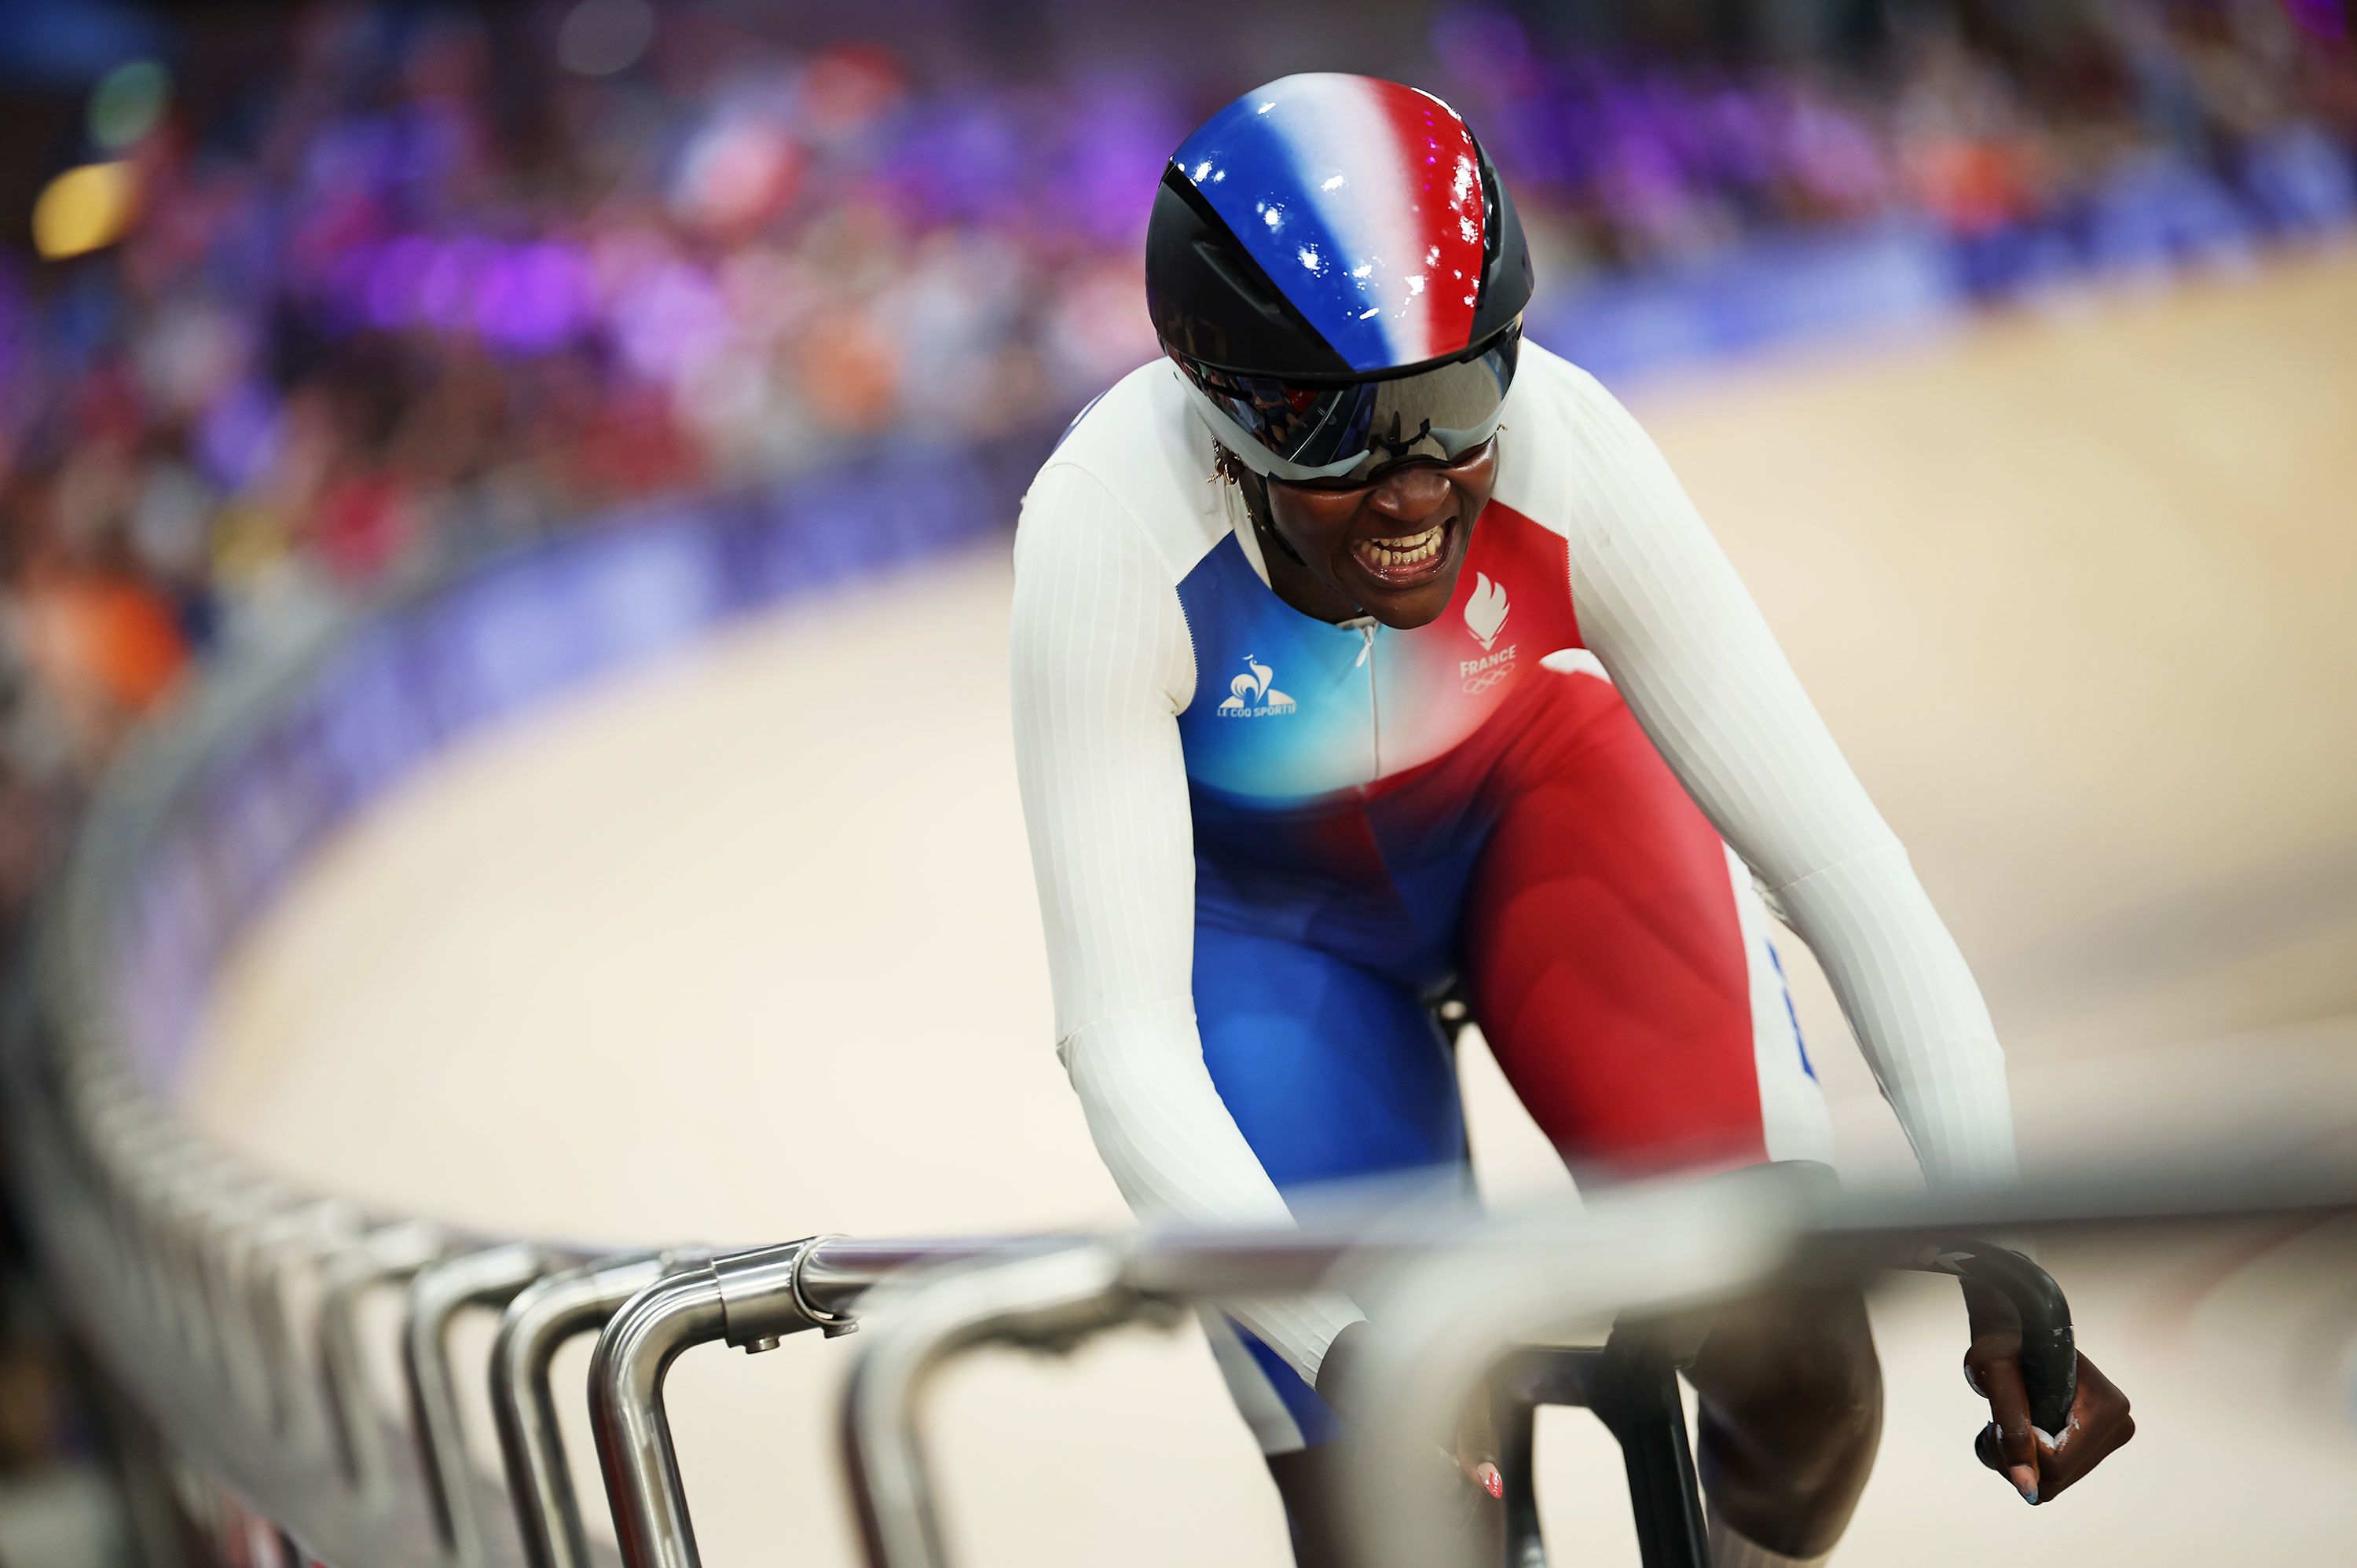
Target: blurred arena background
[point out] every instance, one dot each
(680, 366)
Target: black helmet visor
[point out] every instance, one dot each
(1304, 432)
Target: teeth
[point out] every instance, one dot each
(1391, 555)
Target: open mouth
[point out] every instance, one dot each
(1405, 562)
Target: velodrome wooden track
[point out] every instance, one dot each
(744, 947)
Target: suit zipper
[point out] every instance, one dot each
(1365, 627)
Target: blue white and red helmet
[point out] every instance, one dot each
(1336, 269)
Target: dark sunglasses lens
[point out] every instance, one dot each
(1349, 432)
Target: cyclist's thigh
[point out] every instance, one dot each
(1618, 961)
(1330, 1073)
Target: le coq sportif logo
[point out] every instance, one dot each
(1250, 695)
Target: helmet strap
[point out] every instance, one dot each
(1263, 523)
(1255, 489)
(1227, 466)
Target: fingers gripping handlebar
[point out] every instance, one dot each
(2050, 1355)
(1633, 1390)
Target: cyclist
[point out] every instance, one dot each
(1363, 650)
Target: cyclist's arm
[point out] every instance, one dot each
(1665, 613)
(1101, 667)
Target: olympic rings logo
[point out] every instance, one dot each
(1475, 685)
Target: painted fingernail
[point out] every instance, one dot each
(1492, 1482)
(2025, 1481)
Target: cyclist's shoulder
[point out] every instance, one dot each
(1546, 380)
(1566, 437)
(1541, 446)
(1134, 458)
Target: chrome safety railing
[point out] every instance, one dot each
(233, 1313)
(234, 1308)
(1458, 1298)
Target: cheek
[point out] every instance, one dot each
(1315, 531)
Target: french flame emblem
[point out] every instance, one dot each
(1485, 612)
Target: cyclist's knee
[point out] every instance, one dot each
(1792, 1414)
(1814, 1436)
(1796, 1387)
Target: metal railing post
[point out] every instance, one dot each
(1050, 1300)
(385, 1256)
(226, 1226)
(751, 1300)
(160, 1203)
(438, 1293)
(627, 1417)
(296, 1239)
(535, 1326)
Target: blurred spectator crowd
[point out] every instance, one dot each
(2104, 136)
(441, 282)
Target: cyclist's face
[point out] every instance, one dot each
(1391, 545)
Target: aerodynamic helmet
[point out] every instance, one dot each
(1339, 276)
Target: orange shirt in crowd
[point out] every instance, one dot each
(108, 638)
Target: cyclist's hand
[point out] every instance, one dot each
(2041, 1465)
(1477, 1443)
(1474, 1449)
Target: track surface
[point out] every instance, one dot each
(744, 947)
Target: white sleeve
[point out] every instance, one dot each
(1662, 610)
(1101, 667)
